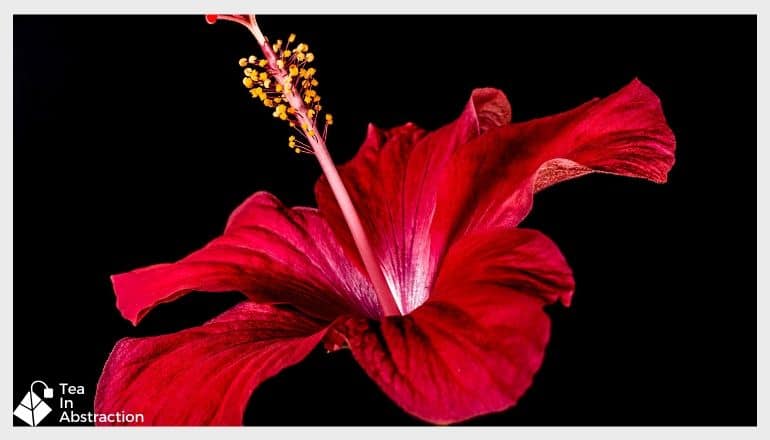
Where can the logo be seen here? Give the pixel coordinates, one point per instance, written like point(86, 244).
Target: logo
point(73, 406)
point(32, 409)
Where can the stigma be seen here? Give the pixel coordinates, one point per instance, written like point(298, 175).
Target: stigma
point(285, 82)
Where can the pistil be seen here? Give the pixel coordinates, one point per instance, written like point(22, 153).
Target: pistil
point(282, 65)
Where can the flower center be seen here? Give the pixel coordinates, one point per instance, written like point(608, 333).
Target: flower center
point(285, 82)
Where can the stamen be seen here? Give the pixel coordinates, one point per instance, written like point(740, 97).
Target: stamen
point(288, 75)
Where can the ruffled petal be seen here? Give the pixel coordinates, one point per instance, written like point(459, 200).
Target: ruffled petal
point(522, 260)
point(271, 253)
point(475, 345)
point(393, 184)
point(491, 180)
point(204, 375)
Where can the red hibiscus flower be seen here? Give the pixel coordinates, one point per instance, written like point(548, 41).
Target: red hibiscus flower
point(460, 329)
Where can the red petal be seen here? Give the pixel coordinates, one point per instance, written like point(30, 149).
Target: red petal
point(492, 179)
point(393, 184)
point(268, 252)
point(523, 260)
point(475, 346)
point(204, 375)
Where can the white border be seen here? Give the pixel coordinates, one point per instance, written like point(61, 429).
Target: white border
point(391, 6)
point(388, 6)
point(763, 185)
point(389, 433)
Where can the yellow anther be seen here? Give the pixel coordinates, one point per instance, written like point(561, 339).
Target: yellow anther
point(295, 82)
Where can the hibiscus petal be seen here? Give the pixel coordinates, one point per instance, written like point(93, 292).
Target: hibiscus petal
point(270, 253)
point(393, 184)
point(475, 345)
point(491, 180)
point(204, 375)
point(523, 260)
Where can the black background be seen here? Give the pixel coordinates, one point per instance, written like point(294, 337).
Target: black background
point(134, 139)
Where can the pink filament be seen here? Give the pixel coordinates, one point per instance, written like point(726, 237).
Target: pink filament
point(385, 295)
